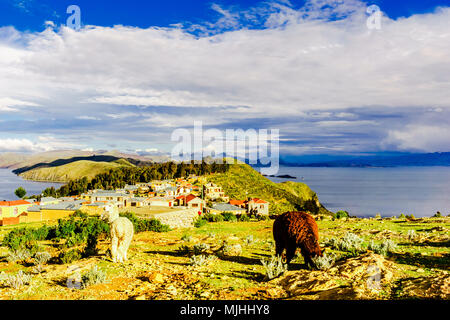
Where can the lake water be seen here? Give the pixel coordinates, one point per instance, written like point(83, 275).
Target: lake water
point(9, 182)
point(363, 192)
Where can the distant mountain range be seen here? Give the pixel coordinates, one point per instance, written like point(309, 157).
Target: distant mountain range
point(61, 157)
point(414, 159)
point(66, 165)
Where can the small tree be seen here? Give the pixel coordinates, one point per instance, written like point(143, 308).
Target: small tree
point(20, 192)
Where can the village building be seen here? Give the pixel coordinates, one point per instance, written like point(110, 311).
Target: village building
point(168, 192)
point(50, 212)
point(186, 189)
point(67, 198)
point(162, 201)
point(130, 189)
point(49, 200)
point(137, 202)
point(253, 206)
point(257, 206)
point(115, 198)
point(220, 208)
point(11, 210)
point(190, 201)
point(214, 192)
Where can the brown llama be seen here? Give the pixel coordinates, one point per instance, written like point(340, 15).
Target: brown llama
point(293, 230)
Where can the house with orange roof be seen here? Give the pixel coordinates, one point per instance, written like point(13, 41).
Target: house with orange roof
point(11, 210)
point(257, 206)
point(190, 201)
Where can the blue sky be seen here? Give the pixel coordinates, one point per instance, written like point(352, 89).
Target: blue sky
point(138, 70)
point(31, 14)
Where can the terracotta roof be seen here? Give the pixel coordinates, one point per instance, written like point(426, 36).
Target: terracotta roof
point(13, 203)
point(237, 202)
point(257, 200)
point(190, 198)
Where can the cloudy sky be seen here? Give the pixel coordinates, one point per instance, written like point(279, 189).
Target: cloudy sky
point(313, 69)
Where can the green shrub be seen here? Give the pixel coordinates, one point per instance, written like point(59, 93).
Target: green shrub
point(155, 226)
point(201, 248)
point(349, 243)
point(42, 233)
point(70, 256)
point(79, 214)
point(18, 280)
point(200, 222)
point(213, 217)
point(438, 215)
point(76, 232)
point(74, 240)
point(410, 216)
point(341, 214)
point(24, 238)
point(263, 217)
point(66, 228)
point(41, 258)
point(186, 238)
point(325, 262)
point(377, 248)
point(249, 240)
point(18, 255)
point(412, 235)
point(93, 276)
point(244, 218)
point(274, 267)
point(142, 225)
point(390, 245)
point(201, 260)
point(402, 216)
point(184, 250)
point(229, 216)
point(385, 247)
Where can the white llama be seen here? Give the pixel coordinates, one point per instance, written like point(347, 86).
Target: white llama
point(122, 231)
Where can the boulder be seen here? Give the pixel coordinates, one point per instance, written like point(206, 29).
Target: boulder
point(362, 277)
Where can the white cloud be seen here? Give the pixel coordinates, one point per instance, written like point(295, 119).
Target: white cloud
point(420, 138)
point(43, 143)
point(88, 118)
point(304, 65)
point(304, 60)
point(49, 24)
point(345, 123)
point(9, 104)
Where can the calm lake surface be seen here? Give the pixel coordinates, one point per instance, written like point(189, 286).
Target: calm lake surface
point(9, 182)
point(363, 192)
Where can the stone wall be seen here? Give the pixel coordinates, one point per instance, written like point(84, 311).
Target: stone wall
point(183, 218)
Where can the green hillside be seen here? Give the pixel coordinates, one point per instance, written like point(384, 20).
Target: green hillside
point(298, 189)
point(73, 171)
point(242, 181)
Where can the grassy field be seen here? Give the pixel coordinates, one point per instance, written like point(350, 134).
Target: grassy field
point(159, 269)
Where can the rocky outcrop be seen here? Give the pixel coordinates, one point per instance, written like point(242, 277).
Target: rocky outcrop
point(362, 277)
point(427, 287)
